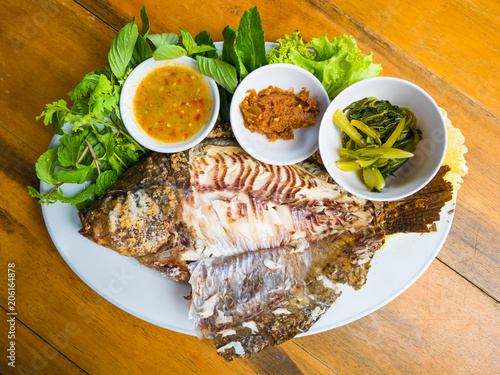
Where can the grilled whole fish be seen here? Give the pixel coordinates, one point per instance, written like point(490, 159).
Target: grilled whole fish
point(274, 238)
point(233, 204)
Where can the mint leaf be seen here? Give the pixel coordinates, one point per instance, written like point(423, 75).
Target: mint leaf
point(162, 39)
point(67, 152)
point(168, 52)
point(74, 176)
point(116, 165)
point(108, 140)
point(105, 181)
point(45, 166)
point(122, 48)
point(222, 72)
point(250, 41)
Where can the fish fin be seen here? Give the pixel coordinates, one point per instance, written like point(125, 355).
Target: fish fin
point(418, 212)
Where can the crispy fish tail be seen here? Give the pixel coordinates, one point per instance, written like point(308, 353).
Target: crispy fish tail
point(418, 212)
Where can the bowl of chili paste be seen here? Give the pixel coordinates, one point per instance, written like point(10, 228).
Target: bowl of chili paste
point(276, 111)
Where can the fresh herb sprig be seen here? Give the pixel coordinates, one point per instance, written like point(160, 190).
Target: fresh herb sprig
point(95, 147)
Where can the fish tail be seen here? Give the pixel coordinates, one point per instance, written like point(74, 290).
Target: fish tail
point(418, 212)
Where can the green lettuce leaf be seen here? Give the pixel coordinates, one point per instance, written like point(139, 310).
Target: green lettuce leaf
point(337, 64)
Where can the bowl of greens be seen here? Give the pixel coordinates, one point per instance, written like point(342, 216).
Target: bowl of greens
point(383, 138)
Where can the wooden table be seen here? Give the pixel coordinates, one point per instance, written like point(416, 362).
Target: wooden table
point(446, 323)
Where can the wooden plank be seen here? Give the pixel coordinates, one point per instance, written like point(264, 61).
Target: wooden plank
point(30, 355)
point(475, 257)
point(443, 36)
point(53, 296)
point(47, 48)
point(441, 325)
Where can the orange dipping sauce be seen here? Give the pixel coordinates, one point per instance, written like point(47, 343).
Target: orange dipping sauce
point(172, 103)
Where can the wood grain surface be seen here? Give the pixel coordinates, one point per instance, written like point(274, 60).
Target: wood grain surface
point(448, 322)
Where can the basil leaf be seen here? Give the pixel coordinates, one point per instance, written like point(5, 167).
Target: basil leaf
point(142, 52)
point(229, 51)
point(122, 48)
point(201, 49)
point(222, 72)
point(204, 38)
point(187, 41)
point(250, 41)
point(168, 51)
point(145, 22)
point(108, 140)
point(161, 39)
point(45, 166)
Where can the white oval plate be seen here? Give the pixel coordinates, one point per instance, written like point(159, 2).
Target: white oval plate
point(146, 294)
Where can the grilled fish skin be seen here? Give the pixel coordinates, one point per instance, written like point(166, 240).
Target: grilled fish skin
point(216, 201)
point(262, 298)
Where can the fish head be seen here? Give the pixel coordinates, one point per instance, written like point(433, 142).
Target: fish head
point(138, 215)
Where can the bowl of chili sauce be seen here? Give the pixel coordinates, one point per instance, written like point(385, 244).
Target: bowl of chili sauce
point(169, 106)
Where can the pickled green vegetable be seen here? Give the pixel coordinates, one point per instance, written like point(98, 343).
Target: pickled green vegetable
point(377, 138)
point(347, 128)
point(373, 178)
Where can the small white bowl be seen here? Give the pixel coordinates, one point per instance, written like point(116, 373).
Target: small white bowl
point(419, 169)
point(286, 77)
point(127, 106)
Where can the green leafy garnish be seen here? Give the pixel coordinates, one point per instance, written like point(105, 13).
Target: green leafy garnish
point(168, 52)
point(250, 40)
point(95, 147)
point(222, 72)
point(162, 39)
point(122, 49)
